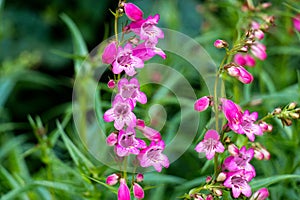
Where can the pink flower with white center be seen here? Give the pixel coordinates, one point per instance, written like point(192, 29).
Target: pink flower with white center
point(121, 113)
point(261, 194)
point(110, 53)
point(128, 144)
point(123, 191)
point(202, 103)
point(126, 61)
point(238, 182)
point(259, 51)
point(112, 179)
point(131, 90)
point(148, 132)
point(147, 30)
point(239, 159)
point(138, 191)
point(210, 145)
point(251, 129)
point(146, 51)
point(133, 12)
point(233, 114)
point(112, 139)
point(296, 22)
point(152, 156)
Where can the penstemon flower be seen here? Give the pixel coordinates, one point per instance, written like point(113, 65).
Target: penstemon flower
point(296, 22)
point(123, 191)
point(261, 194)
point(131, 90)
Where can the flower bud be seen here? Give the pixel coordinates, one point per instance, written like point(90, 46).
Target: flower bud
point(112, 179)
point(138, 191)
point(209, 197)
point(296, 22)
point(277, 111)
point(218, 192)
point(112, 139)
point(202, 104)
point(292, 106)
point(139, 177)
point(261, 194)
point(123, 191)
point(286, 122)
point(221, 177)
point(133, 12)
point(208, 179)
point(220, 44)
point(294, 115)
point(239, 59)
point(111, 84)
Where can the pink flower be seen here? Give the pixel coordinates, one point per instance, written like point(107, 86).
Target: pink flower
point(128, 144)
point(139, 177)
point(240, 73)
point(131, 90)
point(239, 59)
point(112, 139)
point(123, 191)
point(126, 61)
point(146, 51)
point(110, 53)
point(261, 194)
point(138, 191)
point(265, 127)
point(296, 22)
point(259, 51)
point(238, 182)
point(112, 179)
point(210, 145)
point(220, 44)
point(250, 61)
point(239, 159)
point(147, 30)
point(248, 126)
point(152, 156)
point(202, 104)
point(148, 132)
point(133, 12)
point(121, 113)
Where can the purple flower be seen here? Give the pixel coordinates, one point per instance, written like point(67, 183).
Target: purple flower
point(238, 182)
point(152, 156)
point(121, 113)
point(146, 51)
point(147, 29)
point(126, 61)
point(239, 59)
point(133, 12)
point(210, 145)
point(138, 191)
point(261, 194)
point(259, 51)
point(202, 104)
point(131, 90)
point(248, 126)
point(112, 139)
point(240, 73)
point(128, 144)
point(123, 191)
point(239, 159)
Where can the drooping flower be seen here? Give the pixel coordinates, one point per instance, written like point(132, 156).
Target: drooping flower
point(131, 90)
point(259, 51)
point(239, 159)
point(138, 191)
point(121, 113)
point(112, 179)
point(238, 182)
point(261, 194)
point(296, 22)
point(149, 133)
point(123, 191)
point(202, 104)
point(210, 145)
point(133, 12)
point(128, 144)
point(153, 156)
point(126, 61)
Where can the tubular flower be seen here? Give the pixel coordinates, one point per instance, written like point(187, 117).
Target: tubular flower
point(152, 156)
point(202, 104)
point(211, 144)
point(261, 194)
point(133, 12)
point(239, 159)
point(238, 182)
point(112, 179)
point(296, 22)
point(128, 144)
point(149, 133)
point(121, 113)
point(131, 90)
point(138, 191)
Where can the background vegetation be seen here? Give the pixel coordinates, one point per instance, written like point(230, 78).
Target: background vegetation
point(40, 155)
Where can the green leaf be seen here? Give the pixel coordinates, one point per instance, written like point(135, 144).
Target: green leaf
point(162, 178)
point(6, 86)
point(79, 45)
point(264, 182)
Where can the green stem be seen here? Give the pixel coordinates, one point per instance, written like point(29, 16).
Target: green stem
point(116, 26)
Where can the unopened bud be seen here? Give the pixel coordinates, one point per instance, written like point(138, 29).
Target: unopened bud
point(286, 122)
point(221, 177)
point(277, 111)
point(111, 84)
point(292, 106)
point(220, 44)
point(218, 192)
point(208, 179)
point(209, 197)
point(266, 5)
point(244, 49)
point(139, 177)
point(294, 115)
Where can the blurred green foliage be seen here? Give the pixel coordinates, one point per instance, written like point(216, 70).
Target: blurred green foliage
point(41, 157)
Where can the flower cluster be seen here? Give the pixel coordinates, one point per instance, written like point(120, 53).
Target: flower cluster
point(127, 58)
